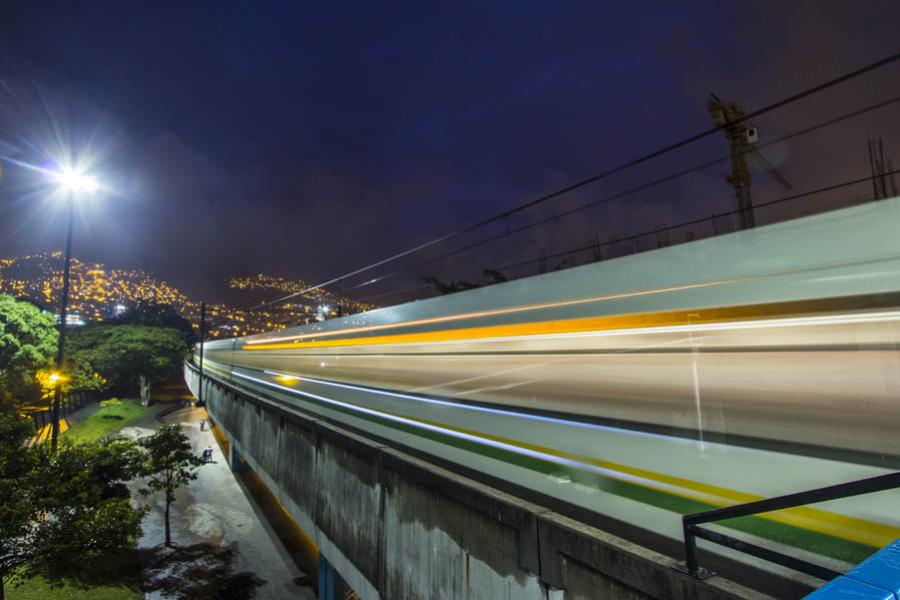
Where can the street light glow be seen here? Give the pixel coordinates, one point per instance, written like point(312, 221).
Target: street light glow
point(55, 379)
point(73, 180)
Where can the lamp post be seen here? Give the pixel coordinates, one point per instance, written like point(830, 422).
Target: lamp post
point(200, 401)
point(71, 182)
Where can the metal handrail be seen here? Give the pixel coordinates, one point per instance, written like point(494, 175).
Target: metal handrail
point(692, 529)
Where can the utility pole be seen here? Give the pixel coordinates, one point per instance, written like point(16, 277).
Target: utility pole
point(61, 346)
point(883, 183)
point(202, 331)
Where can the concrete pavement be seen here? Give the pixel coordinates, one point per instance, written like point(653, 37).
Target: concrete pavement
point(226, 548)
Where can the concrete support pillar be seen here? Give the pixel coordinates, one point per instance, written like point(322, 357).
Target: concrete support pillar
point(326, 579)
point(234, 459)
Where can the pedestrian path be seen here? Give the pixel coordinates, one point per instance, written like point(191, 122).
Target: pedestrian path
point(216, 511)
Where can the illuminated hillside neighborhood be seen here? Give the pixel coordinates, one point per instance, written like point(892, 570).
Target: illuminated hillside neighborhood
point(98, 293)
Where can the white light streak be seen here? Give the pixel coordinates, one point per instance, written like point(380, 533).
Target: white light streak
point(567, 462)
point(472, 407)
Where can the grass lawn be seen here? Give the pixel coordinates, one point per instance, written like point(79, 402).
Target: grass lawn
point(113, 415)
point(39, 588)
point(112, 578)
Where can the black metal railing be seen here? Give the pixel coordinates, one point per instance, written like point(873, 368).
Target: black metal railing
point(69, 403)
point(692, 529)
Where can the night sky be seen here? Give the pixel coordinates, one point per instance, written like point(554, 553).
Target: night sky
point(306, 139)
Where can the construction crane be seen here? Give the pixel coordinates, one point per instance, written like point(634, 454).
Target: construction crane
point(742, 140)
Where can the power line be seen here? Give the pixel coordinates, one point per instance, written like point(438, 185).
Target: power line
point(697, 221)
point(665, 179)
point(636, 189)
point(594, 178)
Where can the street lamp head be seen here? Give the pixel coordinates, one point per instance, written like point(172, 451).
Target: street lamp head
point(75, 181)
point(56, 378)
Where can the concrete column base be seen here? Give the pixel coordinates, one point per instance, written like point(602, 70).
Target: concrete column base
point(234, 459)
point(326, 579)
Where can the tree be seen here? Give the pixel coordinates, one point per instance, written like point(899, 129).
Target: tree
point(82, 490)
point(61, 510)
point(129, 356)
point(493, 276)
point(17, 510)
point(170, 462)
point(28, 340)
point(451, 287)
point(157, 315)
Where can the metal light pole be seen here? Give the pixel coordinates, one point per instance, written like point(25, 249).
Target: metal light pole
point(61, 347)
point(202, 328)
point(72, 182)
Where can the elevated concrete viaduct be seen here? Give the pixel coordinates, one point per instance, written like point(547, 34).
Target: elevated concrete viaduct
point(393, 525)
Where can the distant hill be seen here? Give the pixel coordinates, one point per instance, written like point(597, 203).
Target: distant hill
point(94, 291)
point(98, 293)
point(268, 287)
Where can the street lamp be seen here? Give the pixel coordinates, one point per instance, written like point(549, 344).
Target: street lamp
point(72, 184)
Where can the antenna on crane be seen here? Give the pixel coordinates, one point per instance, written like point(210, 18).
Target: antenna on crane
point(742, 140)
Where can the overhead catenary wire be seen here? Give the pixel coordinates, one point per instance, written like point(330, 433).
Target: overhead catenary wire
point(594, 178)
point(697, 221)
point(636, 189)
point(661, 180)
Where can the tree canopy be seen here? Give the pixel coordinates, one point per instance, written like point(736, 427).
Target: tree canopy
point(18, 510)
point(61, 510)
point(129, 357)
point(157, 315)
point(491, 275)
point(28, 340)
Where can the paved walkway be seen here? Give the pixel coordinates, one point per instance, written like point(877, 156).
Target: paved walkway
point(225, 548)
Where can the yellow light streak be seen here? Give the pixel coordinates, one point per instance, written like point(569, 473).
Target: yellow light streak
point(700, 320)
point(489, 313)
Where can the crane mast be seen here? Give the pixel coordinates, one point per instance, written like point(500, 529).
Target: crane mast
point(730, 117)
point(742, 139)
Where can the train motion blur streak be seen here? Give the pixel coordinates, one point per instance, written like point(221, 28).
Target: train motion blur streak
point(817, 380)
point(644, 387)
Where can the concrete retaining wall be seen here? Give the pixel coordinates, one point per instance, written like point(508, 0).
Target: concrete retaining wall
point(397, 527)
